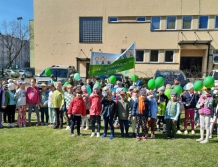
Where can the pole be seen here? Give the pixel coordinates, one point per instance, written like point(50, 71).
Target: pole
point(20, 57)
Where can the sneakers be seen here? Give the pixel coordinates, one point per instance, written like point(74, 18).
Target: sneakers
point(204, 141)
point(158, 130)
point(87, 128)
point(185, 132)
point(122, 135)
point(144, 138)
point(199, 140)
point(152, 136)
point(137, 138)
point(179, 132)
point(111, 137)
point(38, 124)
point(127, 135)
point(93, 134)
point(29, 124)
point(164, 131)
point(12, 125)
point(193, 132)
point(81, 128)
point(24, 125)
point(46, 124)
point(20, 126)
point(168, 137)
point(172, 138)
point(210, 137)
point(103, 136)
point(42, 124)
point(9, 125)
point(67, 128)
point(98, 134)
point(73, 135)
point(133, 135)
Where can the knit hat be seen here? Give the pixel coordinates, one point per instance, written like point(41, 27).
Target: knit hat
point(131, 88)
point(83, 88)
point(173, 93)
point(162, 88)
point(5, 87)
point(96, 86)
point(143, 91)
point(10, 81)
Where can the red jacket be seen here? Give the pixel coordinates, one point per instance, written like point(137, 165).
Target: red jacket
point(32, 95)
point(77, 106)
point(95, 102)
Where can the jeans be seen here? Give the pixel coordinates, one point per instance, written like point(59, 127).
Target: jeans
point(171, 127)
point(58, 118)
point(21, 115)
point(189, 113)
point(67, 118)
point(108, 120)
point(44, 111)
point(33, 106)
point(160, 119)
point(205, 124)
point(51, 114)
point(96, 118)
point(11, 113)
point(124, 123)
point(75, 119)
point(1, 119)
point(196, 117)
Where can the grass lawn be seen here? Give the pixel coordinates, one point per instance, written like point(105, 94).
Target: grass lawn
point(44, 146)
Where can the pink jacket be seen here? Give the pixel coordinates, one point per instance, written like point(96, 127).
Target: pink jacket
point(86, 100)
point(95, 102)
point(32, 95)
point(207, 107)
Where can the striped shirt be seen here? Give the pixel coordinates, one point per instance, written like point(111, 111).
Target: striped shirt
point(68, 97)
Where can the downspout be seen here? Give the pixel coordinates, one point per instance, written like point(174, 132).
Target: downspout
point(208, 55)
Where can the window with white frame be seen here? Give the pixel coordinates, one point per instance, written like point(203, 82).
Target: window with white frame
point(139, 55)
point(140, 19)
point(90, 29)
point(171, 22)
point(112, 19)
point(216, 22)
point(203, 22)
point(155, 23)
point(169, 56)
point(187, 22)
point(154, 55)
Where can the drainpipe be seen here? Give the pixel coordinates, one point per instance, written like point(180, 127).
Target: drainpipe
point(208, 55)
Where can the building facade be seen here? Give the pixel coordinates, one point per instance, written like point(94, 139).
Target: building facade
point(172, 34)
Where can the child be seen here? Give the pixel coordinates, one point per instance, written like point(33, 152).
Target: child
point(123, 112)
point(135, 95)
point(85, 96)
point(154, 110)
point(95, 109)
point(171, 115)
point(108, 112)
point(51, 110)
point(58, 102)
point(189, 100)
point(205, 106)
point(1, 104)
point(179, 99)
point(141, 112)
point(44, 93)
point(76, 109)
point(162, 101)
point(213, 119)
point(20, 96)
point(68, 96)
point(33, 100)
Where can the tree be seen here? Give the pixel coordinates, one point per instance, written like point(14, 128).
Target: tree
point(13, 38)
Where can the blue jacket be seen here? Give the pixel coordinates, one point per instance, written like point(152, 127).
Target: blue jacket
point(188, 99)
point(46, 97)
point(12, 99)
point(154, 108)
point(146, 112)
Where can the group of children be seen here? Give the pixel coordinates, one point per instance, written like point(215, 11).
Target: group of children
point(136, 107)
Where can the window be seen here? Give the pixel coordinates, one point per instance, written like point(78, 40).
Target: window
point(186, 22)
point(171, 22)
point(155, 23)
point(216, 22)
point(139, 55)
point(140, 19)
point(154, 55)
point(90, 29)
point(112, 19)
point(203, 22)
point(169, 55)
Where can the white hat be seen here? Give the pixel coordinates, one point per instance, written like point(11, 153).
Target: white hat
point(188, 86)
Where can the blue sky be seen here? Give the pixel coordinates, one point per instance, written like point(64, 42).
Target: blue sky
point(11, 9)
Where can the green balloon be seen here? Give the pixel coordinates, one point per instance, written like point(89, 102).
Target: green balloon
point(167, 92)
point(76, 76)
point(66, 83)
point(159, 81)
point(112, 79)
point(134, 77)
point(177, 89)
point(88, 89)
point(151, 84)
point(198, 85)
point(209, 82)
point(47, 72)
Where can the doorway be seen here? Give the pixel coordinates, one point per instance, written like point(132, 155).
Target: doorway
point(87, 69)
point(191, 66)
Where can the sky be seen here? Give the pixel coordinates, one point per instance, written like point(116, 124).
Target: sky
point(12, 9)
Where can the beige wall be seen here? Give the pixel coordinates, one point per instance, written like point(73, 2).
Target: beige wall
point(56, 29)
